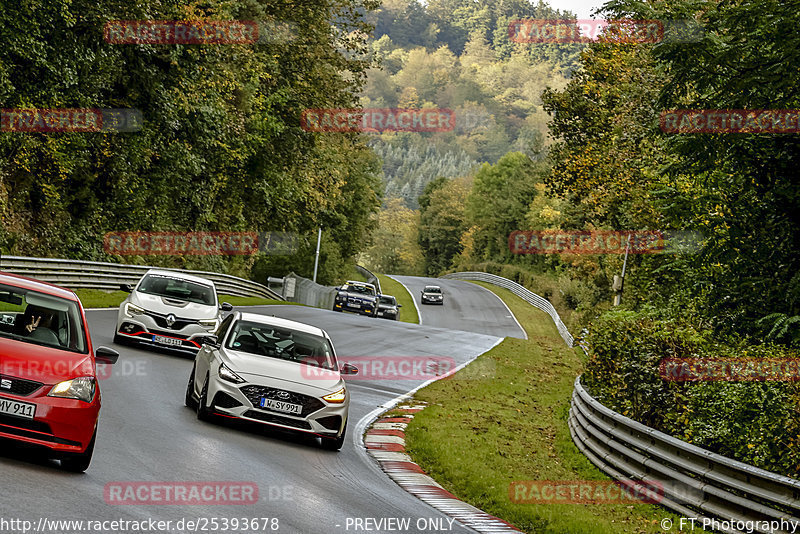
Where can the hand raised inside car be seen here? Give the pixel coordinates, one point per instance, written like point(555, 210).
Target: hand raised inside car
point(34, 323)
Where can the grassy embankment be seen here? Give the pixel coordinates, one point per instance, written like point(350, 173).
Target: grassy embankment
point(389, 286)
point(503, 418)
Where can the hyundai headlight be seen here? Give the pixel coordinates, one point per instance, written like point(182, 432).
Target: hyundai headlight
point(226, 374)
point(338, 397)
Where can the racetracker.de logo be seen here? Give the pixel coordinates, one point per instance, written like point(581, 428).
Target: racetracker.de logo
point(559, 31)
point(200, 243)
point(378, 120)
point(386, 368)
point(181, 243)
point(180, 32)
point(690, 121)
point(585, 491)
point(729, 369)
point(585, 242)
point(180, 493)
point(70, 120)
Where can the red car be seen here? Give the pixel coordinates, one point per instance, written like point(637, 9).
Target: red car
point(49, 395)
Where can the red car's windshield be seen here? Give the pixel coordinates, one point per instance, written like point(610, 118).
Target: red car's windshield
point(34, 317)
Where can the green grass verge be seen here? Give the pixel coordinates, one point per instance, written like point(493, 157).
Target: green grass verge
point(503, 418)
point(99, 298)
point(389, 286)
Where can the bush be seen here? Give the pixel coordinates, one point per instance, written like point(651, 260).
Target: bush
point(754, 422)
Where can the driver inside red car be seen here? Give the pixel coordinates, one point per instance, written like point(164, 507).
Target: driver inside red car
point(37, 323)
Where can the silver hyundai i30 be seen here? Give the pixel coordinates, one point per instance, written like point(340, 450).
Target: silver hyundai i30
point(272, 371)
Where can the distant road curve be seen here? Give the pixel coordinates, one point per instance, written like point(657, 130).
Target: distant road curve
point(467, 307)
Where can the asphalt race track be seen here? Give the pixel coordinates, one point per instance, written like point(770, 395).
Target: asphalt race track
point(147, 435)
point(466, 307)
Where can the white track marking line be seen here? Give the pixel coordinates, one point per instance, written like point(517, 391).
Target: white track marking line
point(365, 421)
point(410, 294)
point(524, 333)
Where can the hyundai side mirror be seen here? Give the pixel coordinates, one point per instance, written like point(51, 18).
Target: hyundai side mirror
point(127, 288)
point(106, 355)
point(225, 306)
point(349, 369)
point(210, 340)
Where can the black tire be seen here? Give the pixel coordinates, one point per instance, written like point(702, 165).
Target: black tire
point(78, 463)
point(203, 413)
point(189, 400)
point(334, 444)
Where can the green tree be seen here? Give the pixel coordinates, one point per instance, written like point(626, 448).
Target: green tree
point(498, 201)
point(442, 222)
point(394, 246)
point(221, 147)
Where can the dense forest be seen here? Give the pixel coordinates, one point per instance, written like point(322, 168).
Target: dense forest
point(457, 55)
point(220, 147)
point(608, 165)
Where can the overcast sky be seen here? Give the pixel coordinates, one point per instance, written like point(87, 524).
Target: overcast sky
point(582, 8)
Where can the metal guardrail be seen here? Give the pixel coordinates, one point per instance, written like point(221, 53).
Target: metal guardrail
point(305, 291)
point(371, 278)
point(77, 274)
point(523, 293)
point(696, 483)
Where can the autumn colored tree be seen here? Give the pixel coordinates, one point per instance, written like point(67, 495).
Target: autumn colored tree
point(394, 246)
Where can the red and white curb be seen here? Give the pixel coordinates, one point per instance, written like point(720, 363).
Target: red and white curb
point(385, 442)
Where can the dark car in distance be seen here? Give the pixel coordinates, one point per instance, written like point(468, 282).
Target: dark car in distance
point(432, 295)
point(388, 308)
point(358, 297)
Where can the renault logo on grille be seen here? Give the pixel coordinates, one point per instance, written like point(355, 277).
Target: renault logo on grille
point(5, 384)
point(171, 320)
point(283, 395)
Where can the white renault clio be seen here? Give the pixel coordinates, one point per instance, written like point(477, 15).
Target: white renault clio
point(169, 309)
point(272, 371)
